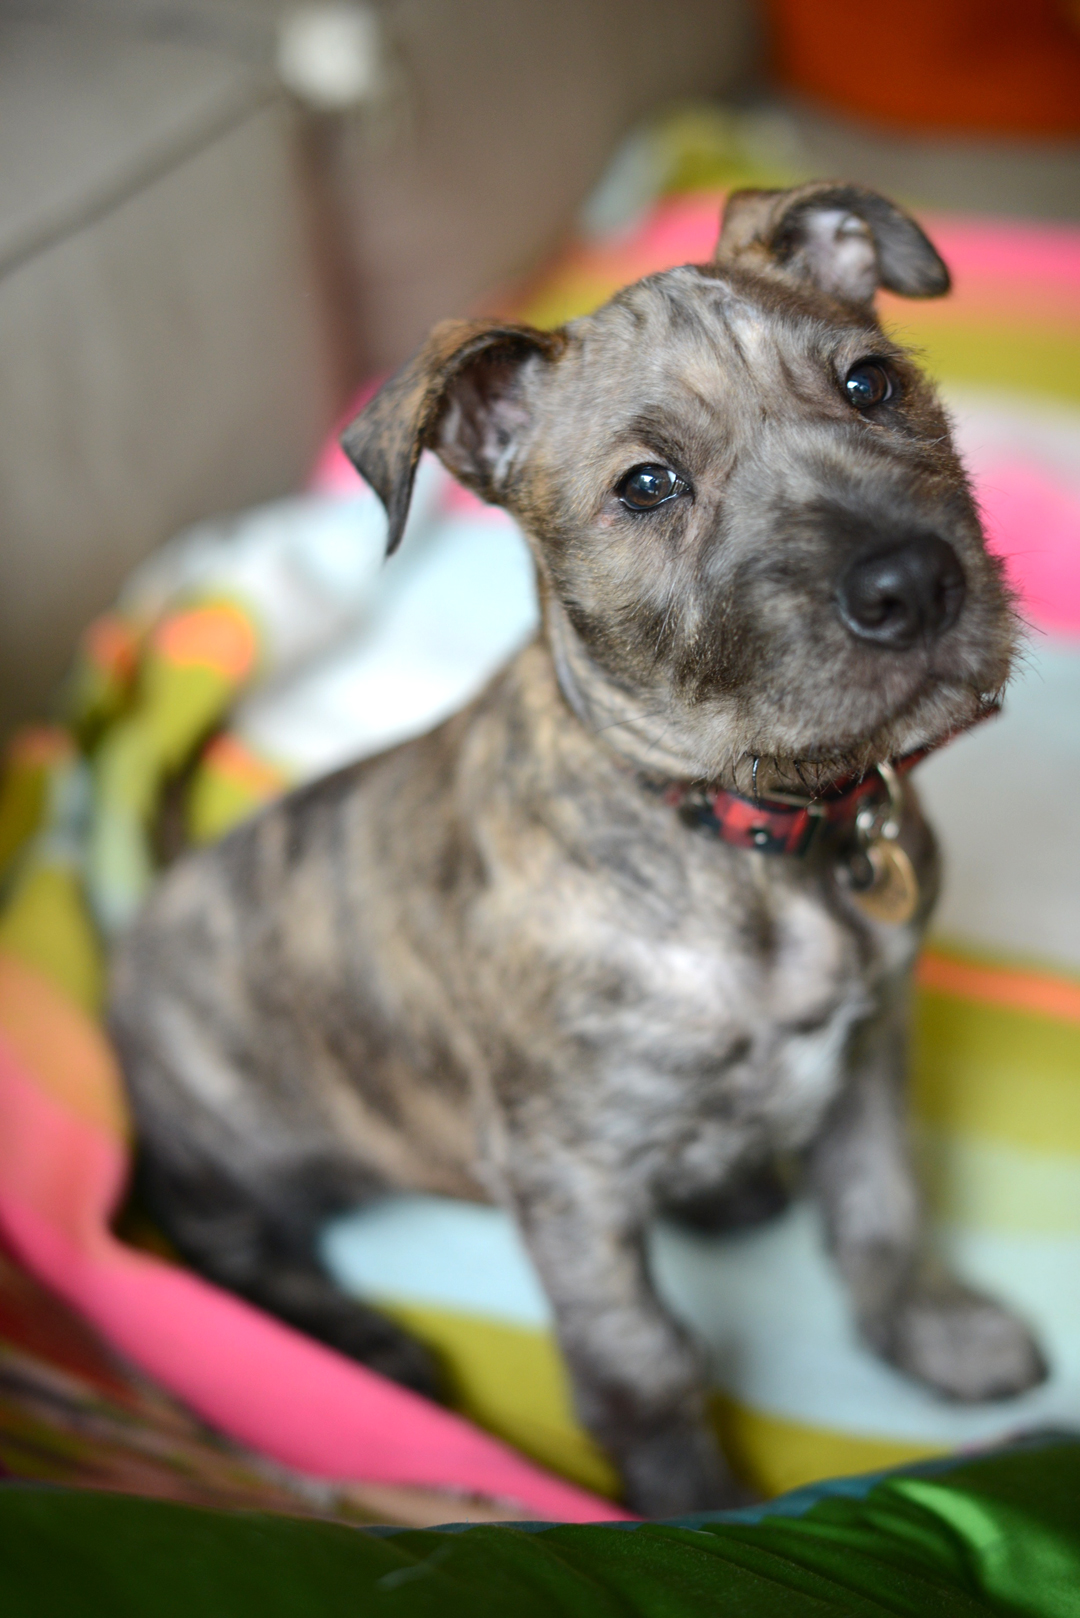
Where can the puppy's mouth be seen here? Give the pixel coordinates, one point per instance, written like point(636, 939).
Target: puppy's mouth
point(930, 720)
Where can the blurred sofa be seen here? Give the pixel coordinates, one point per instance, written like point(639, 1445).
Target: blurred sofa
point(195, 268)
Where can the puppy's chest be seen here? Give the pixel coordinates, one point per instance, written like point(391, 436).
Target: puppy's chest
point(730, 1028)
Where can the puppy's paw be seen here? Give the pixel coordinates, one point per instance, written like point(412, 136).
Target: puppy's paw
point(961, 1343)
point(677, 1471)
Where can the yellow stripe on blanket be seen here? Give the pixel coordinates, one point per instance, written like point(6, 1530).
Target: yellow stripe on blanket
point(1024, 354)
point(511, 1380)
point(985, 1185)
point(46, 926)
point(30, 757)
point(774, 1454)
point(997, 1054)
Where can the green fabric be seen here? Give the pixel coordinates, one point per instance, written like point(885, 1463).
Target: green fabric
point(999, 1534)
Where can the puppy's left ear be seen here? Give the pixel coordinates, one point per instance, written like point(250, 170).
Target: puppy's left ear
point(846, 240)
point(460, 395)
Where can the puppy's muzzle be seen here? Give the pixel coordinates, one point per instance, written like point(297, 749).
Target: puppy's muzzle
point(902, 595)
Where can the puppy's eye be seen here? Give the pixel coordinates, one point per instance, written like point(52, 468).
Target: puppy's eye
point(647, 487)
point(868, 384)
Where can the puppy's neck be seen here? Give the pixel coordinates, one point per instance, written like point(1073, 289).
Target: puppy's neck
point(633, 724)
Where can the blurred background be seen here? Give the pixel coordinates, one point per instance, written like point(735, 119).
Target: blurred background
point(221, 221)
point(217, 216)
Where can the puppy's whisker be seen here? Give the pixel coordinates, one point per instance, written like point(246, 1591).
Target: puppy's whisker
point(628, 719)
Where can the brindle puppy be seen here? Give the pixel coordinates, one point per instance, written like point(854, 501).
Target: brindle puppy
point(496, 962)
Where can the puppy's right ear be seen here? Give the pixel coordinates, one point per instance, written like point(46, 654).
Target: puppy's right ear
point(843, 238)
point(461, 396)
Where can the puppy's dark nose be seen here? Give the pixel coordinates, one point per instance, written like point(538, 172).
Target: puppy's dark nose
point(903, 594)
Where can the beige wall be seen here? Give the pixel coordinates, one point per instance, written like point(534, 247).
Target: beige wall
point(168, 362)
point(514, 108)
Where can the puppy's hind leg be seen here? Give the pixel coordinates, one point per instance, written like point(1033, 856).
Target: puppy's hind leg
point(263, 1247)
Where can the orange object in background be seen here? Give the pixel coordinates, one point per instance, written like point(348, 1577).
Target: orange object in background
point(979, 67)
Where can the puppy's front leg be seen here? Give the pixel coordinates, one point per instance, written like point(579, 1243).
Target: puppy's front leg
point(639, 1382)
point(908, 1308)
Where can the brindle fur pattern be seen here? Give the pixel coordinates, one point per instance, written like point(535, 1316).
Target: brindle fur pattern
point(492, 963)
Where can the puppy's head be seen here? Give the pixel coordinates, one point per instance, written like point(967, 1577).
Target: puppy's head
point(753, 534)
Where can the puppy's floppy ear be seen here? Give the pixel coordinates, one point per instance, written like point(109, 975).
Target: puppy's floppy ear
point(846, 240)
point(461, 396)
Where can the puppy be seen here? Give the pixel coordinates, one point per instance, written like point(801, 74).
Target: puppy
point(640, 921)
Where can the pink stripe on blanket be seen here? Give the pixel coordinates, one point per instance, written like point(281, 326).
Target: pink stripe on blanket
point(1033, 519)
point(1035, 269)
point(259, 1381)
point(1031, 271)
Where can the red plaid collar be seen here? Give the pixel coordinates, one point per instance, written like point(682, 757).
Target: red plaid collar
point(783, 823)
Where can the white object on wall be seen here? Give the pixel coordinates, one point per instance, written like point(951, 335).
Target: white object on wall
point(333, 57)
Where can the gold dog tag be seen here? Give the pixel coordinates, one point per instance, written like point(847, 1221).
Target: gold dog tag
point(893, 895)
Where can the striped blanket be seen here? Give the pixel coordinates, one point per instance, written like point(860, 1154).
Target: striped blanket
point(277, 636)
